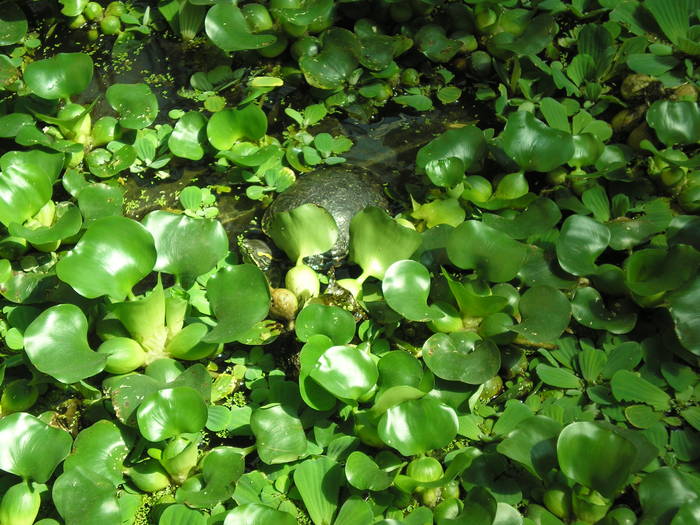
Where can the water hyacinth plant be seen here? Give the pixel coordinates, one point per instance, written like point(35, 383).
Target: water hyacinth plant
point(508, 334)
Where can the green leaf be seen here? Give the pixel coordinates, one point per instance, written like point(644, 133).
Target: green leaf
point(555, 114)
point(445, 173)
point(466, 144)
point(345, 371)
point(591, 362)
point(545, 314)
point(453, 358)
point(318, 481)
point(56, 344)
point(237, 312)
point(332, 67)
point(417, 102)
point(533, 444)
point(311, 392)
point(491, 253)
point(66, 224)
point(171, 412)
point(683, 308)
point(26, 183)
point(84, 497)
point(355, 511)
point(226, 27)
point(101, 448)
point(595, 456)
point(664, 491)
point(13, 24)
point(60, 76)
point(538, 218)
point(533, 145)
point(112, 256)
point(187, 247)
point(416, 426)
point(136, 104)
point(188, 136)
point(406, 287)
point(653, 65)
point(628, 386)
point(279, 436)
point(332, 321)
point(364, 474)
point(72, 7)
point(257, 514)
point(229, 126)
point(675, 122)
point(31, 448)
point(588, 309)
point(303, 231)
point(656, 270)
point(220, 469)
point(181, 515)
point(558, 377)
point(673, 18)
point(377, 241)
point(580, 242)
point(105, 164)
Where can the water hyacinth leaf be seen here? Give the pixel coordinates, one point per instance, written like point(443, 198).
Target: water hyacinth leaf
point(355, 511)
point(105, 164)
point(227, 127)
point(364, 474)
point(239, 297)
point(313, 394)
point(595, 456)
point(538, 218)
point(318, 481)
point(187, 247)
point(451, 358)
point(377, 241)
point(663, 492)
point(84, 497)
point(404, 427)
point(332, 67)
point(588, 309)
point(279, 436)
point(686, 318)
point(466, 144)
point(26, 183)
point(226, 27)
point(13, 24)
point(398, 368)
point(31, 448)
point(533, 444)
point(545, 314)
point(406, 287)
point(345, 371)
point(220, 469)
point(61, 76)
point(112, 256)
point(136, 104)
point(67, 223)
point(144, 318)
point(56, 344)
point(101, 448)
point(127, 392)
point(580, 242)
point(303, 231)
point(656, 270)
point(533, 145)
point(446, 172)
point(675, 122)
point(491, 253)
point(171, 412)
point(177, 514)
point(332, 321)
point(188, 136)
point(628, 386)
point(258, 514)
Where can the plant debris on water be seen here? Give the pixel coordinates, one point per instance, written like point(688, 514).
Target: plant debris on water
point(349, 262)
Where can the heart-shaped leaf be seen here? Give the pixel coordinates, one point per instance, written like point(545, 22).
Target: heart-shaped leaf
point(453, 358)
point(319, 481)
point(580, 242)
point(188, 136)
point(187, 247)
point(26, 183)
point(303, 231)
point(56, 343)
point(491, 253)
point(13, 24)
point(657, 270)
point(684, 311)
point(533, 145)
point(226, 27)
point(588, 309)
point(377, 241)
point(533, 444)
point(675, 122)
point(406, 287)
point(84, 497)
point(364, 474)
point(227, 127)
point(332, 321)
point(539, 217)
point(67, 223)
point(258, 514)
point(101, 448)
point(171, 412)
point(136, 104)
point(313, 394)
point(546, 313)
point(345, 371)
point(181, 515)
point(31, 448)
point(404, 427)
point(220, 469)
point(112, 256)
point(466, 144)
point(60, 76)
point(239, 297)
point(329, 69)
point(279, 436)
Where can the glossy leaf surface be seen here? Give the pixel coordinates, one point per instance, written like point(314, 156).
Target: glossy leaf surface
point(136, 104)
point(171, 412)
point(278, 433)
point(406, 286)
point(60, 76)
